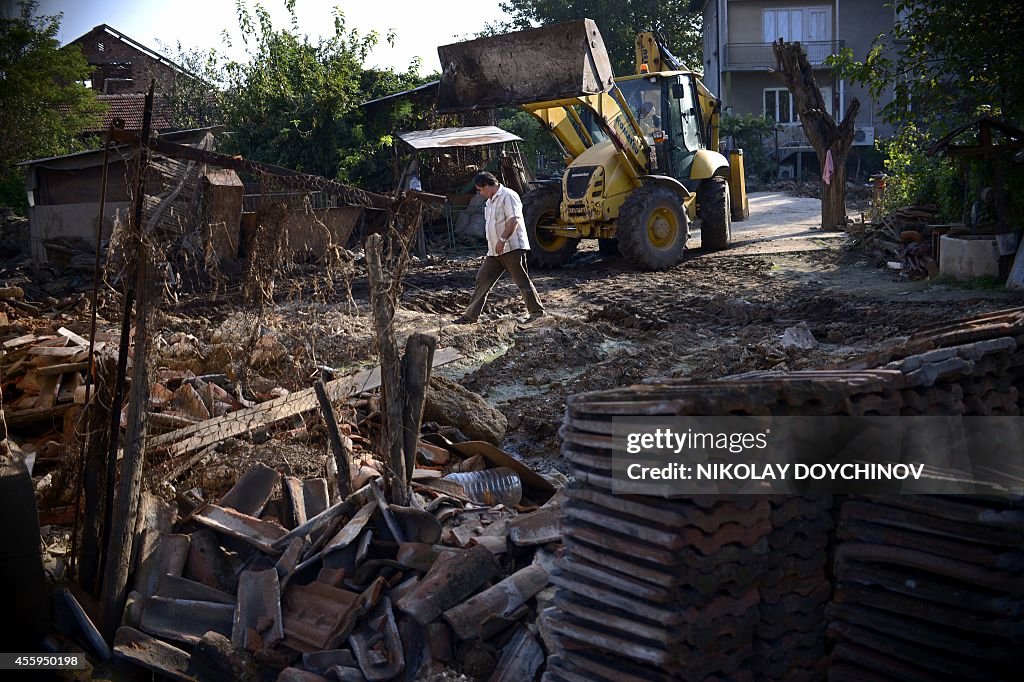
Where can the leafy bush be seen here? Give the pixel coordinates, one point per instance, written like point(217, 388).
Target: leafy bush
point(751, 134)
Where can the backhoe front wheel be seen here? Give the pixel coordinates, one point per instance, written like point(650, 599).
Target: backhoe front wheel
point(540, 210)
point(652, 228)
point(715, 214)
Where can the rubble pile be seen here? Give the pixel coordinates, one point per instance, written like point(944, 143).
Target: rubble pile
point(928, 587)
point(42, 380)
point(902, 240)
point(283, 578)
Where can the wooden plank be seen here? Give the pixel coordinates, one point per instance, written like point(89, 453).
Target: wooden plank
point(56, 352)
point(73, 337)
point(214, 430)
point(62, 368)
point(47, 390)
point(19, 341)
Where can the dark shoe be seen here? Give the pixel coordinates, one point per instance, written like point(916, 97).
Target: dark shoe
point(533, 317)
point(462, 319)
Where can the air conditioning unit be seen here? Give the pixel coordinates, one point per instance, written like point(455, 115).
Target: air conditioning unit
point(787, 172)
point(864, 136)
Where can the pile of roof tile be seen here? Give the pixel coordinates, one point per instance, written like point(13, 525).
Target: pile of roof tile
point(699, 587)
point(278, 576)
point(929, 588)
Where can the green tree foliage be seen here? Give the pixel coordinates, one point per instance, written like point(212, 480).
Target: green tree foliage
point(754, 135)
point(619, 22)
point(946, 61)
point(196, 100)
point(295, 101)
point(947, 64)
point(43, 105)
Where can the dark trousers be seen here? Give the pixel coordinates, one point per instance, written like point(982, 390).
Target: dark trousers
point(514, 262)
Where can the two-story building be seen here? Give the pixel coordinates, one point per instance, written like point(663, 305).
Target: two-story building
point(740, 67)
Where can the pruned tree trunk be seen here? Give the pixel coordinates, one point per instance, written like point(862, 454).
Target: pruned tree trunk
point(820, 128)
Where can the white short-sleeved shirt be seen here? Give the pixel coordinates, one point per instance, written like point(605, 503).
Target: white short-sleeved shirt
point(498, 209)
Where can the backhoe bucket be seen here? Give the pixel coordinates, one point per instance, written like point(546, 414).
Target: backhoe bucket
point(536, 65)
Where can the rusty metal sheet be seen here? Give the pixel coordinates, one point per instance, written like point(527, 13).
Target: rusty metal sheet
point(252, 490)
point(256, 532)
point(468, 136)
point(258, 623)
point(152, 654)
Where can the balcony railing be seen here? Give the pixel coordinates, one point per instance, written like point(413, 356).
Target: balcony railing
point(759, 56)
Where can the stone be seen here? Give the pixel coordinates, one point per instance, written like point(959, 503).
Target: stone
point(450, 403)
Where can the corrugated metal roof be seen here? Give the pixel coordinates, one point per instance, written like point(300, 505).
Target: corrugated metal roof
point(470, 136)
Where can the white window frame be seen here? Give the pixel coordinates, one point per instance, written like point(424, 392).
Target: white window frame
point(805, 21)
point(793, 119)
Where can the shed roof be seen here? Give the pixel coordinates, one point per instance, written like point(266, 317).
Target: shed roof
point(469, 136)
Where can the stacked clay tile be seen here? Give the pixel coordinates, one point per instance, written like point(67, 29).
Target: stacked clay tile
point(929, 588)
point(698, 587)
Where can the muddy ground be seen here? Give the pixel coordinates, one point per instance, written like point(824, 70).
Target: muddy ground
point(715, 315)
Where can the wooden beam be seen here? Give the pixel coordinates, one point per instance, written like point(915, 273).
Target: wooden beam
point(214, 430)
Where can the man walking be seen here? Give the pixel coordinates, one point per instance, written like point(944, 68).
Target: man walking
point(507, 245)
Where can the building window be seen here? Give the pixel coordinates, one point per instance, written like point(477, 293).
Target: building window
point(778, 105)
point(812, 24)
point(101, 47)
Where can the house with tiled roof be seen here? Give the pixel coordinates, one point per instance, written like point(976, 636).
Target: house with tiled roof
point(122, 65)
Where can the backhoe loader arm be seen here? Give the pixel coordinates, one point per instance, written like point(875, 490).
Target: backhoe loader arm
point(611, 114)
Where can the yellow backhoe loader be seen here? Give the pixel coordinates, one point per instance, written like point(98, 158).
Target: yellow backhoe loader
point(641, 150)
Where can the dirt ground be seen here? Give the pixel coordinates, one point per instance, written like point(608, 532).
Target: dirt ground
point(715, 315)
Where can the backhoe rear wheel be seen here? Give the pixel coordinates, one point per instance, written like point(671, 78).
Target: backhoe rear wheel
point(652, 228)
point(540, 209)
point(715, 214)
